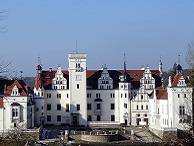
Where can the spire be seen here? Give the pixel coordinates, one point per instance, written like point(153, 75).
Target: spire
point(161, 73)
point(160, 65)
point(179, 67)
point(125, 72)
point(124, 77)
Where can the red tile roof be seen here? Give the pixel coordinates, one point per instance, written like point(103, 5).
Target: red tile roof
point(93, 76)
point(161, 94)
point(176, 80)
point(20, 85)
point(1, 102)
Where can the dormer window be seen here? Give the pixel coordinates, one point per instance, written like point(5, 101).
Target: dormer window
point(59, 82)
point(105, 81)
point(15, 91)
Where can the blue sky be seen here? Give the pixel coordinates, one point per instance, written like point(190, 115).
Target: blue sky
point(144, 30)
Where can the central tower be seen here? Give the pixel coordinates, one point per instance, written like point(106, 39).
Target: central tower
point(77, 88)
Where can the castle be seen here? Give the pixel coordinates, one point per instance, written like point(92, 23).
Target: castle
point(79, 96)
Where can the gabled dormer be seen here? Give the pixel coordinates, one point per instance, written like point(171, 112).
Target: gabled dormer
point(147, 80)
point(59, 82)
point(15, 91)
point(105, 81)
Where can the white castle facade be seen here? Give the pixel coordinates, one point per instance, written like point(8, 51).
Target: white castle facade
point(79, 96)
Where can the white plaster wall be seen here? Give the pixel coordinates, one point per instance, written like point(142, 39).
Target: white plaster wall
point(54, 101)
point(8, 111)
point(78, 96)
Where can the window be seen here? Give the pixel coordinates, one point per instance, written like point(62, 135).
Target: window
point(137, 107)
point(48, 118)
point(78, 107)
point(142, 107)
point(98, 106)
point(67, 95)
point(48, 95)
point(181, 110)
point(89, 106)
point(121, 95)
point(112, 106)
point(178, 95)
point(125, 95)
point(67, 107)
point(58, 95)
point(58, 118)
point(89, 95)
point(141, 97)
point(15, 112)
point(58, 107)
point(185, 95)
point(97, 95)
point(77, 86)
point(112, 117)
point(37, 109)
point(98, 117)
point(89, 118)
point(146, 107)
point(48, 107)
point(125, 105)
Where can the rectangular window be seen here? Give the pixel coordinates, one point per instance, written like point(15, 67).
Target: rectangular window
point(125, 105)
point(58, 95)
point(178, 95)
point(58, 107)
point(48, 118)
point(89, 118)
point(48, 107)
point(125, 95)
point(98, 118)
point(14, 112)
point(146, 107)
point(185, 95)
point(78, 107)
point(98, 106)
point(89, 106)
point(181, 110)
point(67, 95)
point(67, 107)
point(58, 118)
point(77, 86)
point(142, 107)
point(48, 95)
point(141, 97)
point(112, 117)
point(112, 106)
point(137, 107)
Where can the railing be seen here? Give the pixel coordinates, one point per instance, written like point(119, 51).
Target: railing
point(103, 123)
point(99, 132)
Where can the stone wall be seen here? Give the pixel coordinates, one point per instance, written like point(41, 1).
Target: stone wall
point(165, 134)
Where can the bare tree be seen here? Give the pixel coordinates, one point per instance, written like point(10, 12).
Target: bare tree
point(4, 66)
point(19, 136)
point(190, 55)
point(2, 17)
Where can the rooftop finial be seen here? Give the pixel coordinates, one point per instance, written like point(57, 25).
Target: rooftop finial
point(76, 46)
point(179, 58)
point(39, 60)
